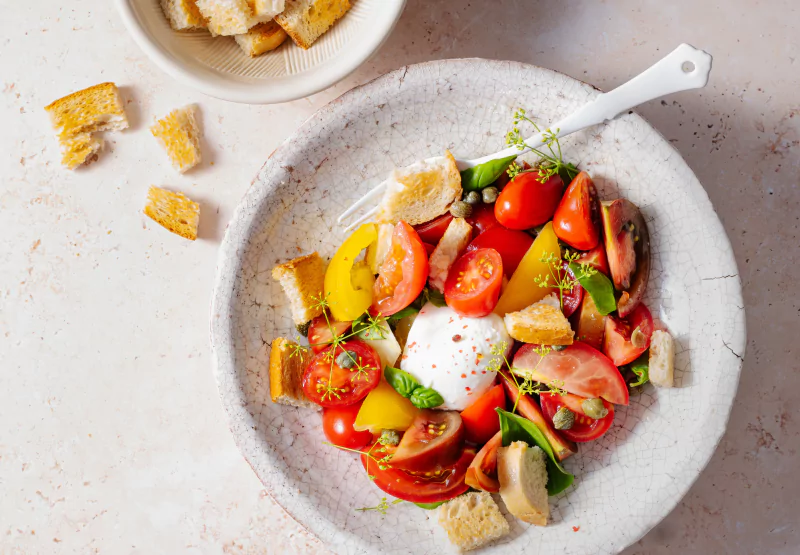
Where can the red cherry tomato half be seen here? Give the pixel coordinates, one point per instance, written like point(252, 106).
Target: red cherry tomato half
point(432, 231)
point(403, 274)
point(473, 284)
point(482, 473)
point(320, 332)
point(627, 338)
point(525, 202)
point(596, 258)
point(577, 219)
point(584, 429)
point(329, 385)
point(435, 439)
point(442, 485)
point(480, 419)
point(512, 246)
point(583, 370)
point(337, 423)
point(482, 219)
point(572, 297)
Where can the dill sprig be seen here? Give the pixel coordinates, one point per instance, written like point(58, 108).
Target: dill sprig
point(526, 385)
point(381, 507)
point(551, 160)
point(560, 278)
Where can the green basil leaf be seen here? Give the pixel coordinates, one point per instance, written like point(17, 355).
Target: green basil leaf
point(516, 428)
point(360, 323)
point(402, 382)
point(397, 316)
point(483, 175)
point(599, 287)
point(426, 398)
point(641, 367)
point(430, 506)
point(435, 297)
point(567, 172)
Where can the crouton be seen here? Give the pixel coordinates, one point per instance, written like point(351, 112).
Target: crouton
point(179, 135)
point(183, 15)
point(227, 17)
point(287, 362)
point(266, 10)
point(307, 20)
point(662, 359)
point(542, 323)
point(522, 473)
point(454, 241)
point(473, 520)
point(80, 150)
point(173, 211)
point(303, 281)
point(261, 38)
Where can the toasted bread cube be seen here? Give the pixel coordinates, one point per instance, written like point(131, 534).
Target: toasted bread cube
point(80, 150)
point(265, 10)
point(183, 15)
point(662, 359)
point(261, 38)
point(173, 211)
point(452, 244)
point(473, 520)
point(97, 108)
point(303, 281)
point(179, 135)
point(227, 17)
point(307, 20)
point(522, 473)
point(542, 323)
point(287, 362)
point(420, 192)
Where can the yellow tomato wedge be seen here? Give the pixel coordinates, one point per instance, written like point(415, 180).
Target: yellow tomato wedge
point(348, 286)
point(385, 409)
point(522, 289)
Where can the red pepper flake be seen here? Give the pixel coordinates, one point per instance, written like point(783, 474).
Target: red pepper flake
point(463, 375)
point(474, 372)
point(433, 366)
point(465, 327)
point(483, 371)
point(461, 350)
point(467, 389)
point(576, 528)
point(451, 320)
point(457, 337)
point(474, 349)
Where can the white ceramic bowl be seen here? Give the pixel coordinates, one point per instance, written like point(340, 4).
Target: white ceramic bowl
point(628, 480)
point(218, 67)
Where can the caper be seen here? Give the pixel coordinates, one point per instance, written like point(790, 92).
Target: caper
point(302, 329)
point(594, 408)
point(473, 197)
point(489, 195)
point(389, 437)
point(460, 209)
point(563, 419)
point(346, 359)
point(558, 347)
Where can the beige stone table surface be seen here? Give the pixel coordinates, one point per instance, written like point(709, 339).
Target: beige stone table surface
point(112, 438)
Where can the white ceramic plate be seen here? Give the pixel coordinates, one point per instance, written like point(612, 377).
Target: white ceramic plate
point(217, 66)
point(627, 481)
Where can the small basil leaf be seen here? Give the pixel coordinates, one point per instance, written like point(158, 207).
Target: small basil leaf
point(397, 316)
point(360, 323)
point(430, 506)
point(435, 297)
point(426, 398)
point(599, 287)
point(516, 428)
point(483, 175)
point(402, 382)
point(641, 367)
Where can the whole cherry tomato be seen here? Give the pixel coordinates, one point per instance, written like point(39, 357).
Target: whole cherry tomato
point(526, 202)
point(337, 423)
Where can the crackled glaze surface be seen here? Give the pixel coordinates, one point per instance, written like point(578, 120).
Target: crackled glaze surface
point(626, 482)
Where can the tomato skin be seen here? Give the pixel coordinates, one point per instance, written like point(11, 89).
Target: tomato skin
point(618, 345)
point(480, 419)
point(337, 423)
point(585, 428)
point(319, 332)
point(473, 284)
point(352, 385)
point(572, 297)
point(431, 232)
point(482, 473)
point(596, 258)
point(423, 449)
point(417, 488)
point(429, 248)
point(584, 370)
point(512, 246)
point(403, 274)
point(576, 221)
point(525, 202)
point(482, 219)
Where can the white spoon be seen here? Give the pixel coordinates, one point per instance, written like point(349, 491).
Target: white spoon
point(682, 69)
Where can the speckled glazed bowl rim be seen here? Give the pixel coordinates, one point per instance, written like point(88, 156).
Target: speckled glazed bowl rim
point(244, 222)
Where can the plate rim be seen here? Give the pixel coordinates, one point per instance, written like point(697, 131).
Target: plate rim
point(736, 342)
point(269, 92)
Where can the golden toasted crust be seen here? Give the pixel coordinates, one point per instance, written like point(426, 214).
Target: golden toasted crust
point(522, 473)
point(80, 150)
point(307, 20)
point(178, 134)
point(227, 17)
point(287, 362)
point(303, 281)
point(183, 15)
point(96, 108)
point(542, 323)
point(473, 520)
point(261, 38)
point(173, 211)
